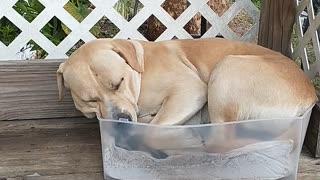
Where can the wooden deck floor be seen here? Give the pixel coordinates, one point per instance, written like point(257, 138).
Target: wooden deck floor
point(70, 149)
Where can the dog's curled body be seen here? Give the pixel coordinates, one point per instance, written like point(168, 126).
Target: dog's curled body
point(246, 81)
point(168, 82)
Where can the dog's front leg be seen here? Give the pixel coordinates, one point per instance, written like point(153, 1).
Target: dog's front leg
point(180, 107)
point(176, 110)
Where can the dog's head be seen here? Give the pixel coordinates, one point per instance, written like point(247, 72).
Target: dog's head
point(104, 78)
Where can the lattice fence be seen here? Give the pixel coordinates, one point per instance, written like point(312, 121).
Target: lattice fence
point(305, 45)
point(80, 31)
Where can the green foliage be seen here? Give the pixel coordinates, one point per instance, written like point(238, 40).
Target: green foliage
point(78, 9)
point(8, 31)
point(28, 9)
point(56, 31)
point(128, 8)
point(104, 29)
point(257, 3)
point(75, 47)
point(53, 30)
point(123, 8)
point(95, 30)
point(40, 53)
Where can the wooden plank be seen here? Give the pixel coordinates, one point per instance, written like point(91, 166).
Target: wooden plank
point(29, 91)
point(70, 149)
point(276, 24)
point(308, 166)
point(51, 148)
point(312, 139)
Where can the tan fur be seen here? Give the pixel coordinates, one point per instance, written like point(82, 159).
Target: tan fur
point(127, 51)
point(60, 82)
point(168, 82)
point(254, 87)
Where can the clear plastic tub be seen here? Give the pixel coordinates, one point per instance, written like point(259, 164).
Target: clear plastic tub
point(252, 149)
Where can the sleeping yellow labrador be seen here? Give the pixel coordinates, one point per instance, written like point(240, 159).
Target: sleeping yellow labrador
point(168, 82)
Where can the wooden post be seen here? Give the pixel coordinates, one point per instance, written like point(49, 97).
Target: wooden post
point(312, 139)
point(276, 24)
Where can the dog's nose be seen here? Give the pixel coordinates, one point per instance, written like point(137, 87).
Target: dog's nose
point(117, 113)
point(124, 116)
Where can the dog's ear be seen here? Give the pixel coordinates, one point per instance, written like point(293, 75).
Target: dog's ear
point(60, 81)
point(131, 52)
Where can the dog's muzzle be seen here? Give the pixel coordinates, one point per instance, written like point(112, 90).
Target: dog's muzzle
point(117, 114)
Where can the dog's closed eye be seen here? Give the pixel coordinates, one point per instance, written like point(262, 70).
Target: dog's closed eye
point(93, 100)
point(117, 86)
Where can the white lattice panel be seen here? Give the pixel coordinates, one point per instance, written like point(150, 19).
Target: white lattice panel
point(31, 31)
point(307, 43)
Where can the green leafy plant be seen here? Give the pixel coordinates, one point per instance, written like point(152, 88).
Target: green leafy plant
point(8, 31)
point(128, 8)
point(123, 7)
point(29, 9)
point(75, 47)
point(53, 30)
point(40, 53)
point(106, 29)
point(257, 3)
point(79, 9)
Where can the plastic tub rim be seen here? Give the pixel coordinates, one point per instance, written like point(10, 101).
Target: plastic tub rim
point(301, 118)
